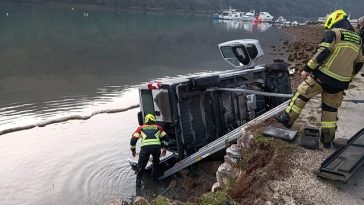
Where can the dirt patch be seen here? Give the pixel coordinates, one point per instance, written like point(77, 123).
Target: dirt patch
point(307, 39)
point(190, 185)
point(263, 161)
point(258, 128)
point(307, 34)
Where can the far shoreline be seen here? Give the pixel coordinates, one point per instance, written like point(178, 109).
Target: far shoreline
point(95, 7)
point(105, 7)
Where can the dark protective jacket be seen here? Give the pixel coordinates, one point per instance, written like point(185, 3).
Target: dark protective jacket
point(338, 59)
point(151, 135)
point(361, 34)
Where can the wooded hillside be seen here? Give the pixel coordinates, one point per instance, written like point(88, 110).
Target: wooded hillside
point(308, 8)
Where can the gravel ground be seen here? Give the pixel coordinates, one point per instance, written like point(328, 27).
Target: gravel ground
point(303, 186)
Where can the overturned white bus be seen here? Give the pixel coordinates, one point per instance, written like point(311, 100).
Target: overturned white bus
point(195, 114)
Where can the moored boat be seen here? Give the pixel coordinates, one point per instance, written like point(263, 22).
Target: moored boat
point(249, 16)
point(280, 20)
point(322, 19)
point(237, 15)
point(265, 17)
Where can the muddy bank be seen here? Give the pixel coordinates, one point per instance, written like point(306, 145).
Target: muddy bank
point(190, 184)
point(305, 44)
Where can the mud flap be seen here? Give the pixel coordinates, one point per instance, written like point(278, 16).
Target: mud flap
point(345, 161)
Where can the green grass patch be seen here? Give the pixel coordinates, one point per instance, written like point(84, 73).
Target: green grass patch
point(160, 200)
point(215, 198)
point(261, 140)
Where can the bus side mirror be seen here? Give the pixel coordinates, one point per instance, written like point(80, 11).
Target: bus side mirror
point(241, 53)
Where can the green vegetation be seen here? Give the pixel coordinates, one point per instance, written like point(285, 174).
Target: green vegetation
point(308, 8)
point(215, 198)
point(160, 200)
point(261, 140)
point(261, 146)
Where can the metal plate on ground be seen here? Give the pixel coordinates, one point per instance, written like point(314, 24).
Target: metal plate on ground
point(281, 133)
point(345, 161)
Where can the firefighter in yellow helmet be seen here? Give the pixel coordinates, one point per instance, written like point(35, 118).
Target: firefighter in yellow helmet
point(338, 59)
point(153, 138)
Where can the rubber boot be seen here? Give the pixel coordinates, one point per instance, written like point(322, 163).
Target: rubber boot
point(284, 119)
point(325, 144)
point(139, 177)
point(138, 183)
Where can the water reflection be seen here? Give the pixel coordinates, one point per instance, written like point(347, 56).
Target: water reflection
point(248, 26)
point(56, 62)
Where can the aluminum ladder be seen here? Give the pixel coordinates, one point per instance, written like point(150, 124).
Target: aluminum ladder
point(221, 142)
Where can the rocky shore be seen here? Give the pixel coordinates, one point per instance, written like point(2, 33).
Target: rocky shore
point(261, 170)
point(296, 181)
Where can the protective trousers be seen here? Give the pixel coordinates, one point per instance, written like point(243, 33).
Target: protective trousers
point(143, 160)
point(330, 104)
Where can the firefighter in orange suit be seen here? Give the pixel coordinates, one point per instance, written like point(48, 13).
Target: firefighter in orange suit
point(153, 138)
point(336, 62)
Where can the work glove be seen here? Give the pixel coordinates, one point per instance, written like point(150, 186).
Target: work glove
point(305, 74)
point(164, 151)
point(133, 152)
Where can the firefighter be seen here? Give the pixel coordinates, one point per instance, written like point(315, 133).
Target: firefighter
point(153, 138)
point(338, 59)
point(360, 27)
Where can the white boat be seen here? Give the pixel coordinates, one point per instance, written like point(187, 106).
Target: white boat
point(227, 14)
point(216, 16)
point(352, 21)
point(249, 16)
point(286, 23)
point(280, 20)
point(265, 17)
point(322, 19)
point(294, 23)
point(237, 15)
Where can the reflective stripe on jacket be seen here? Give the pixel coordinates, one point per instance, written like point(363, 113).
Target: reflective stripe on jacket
point(346, 50)
point(150, 135)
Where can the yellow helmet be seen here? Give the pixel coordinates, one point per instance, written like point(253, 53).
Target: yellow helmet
point(149, 118)
point(334, 18)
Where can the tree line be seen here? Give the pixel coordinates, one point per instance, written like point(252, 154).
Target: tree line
point(308, 8)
